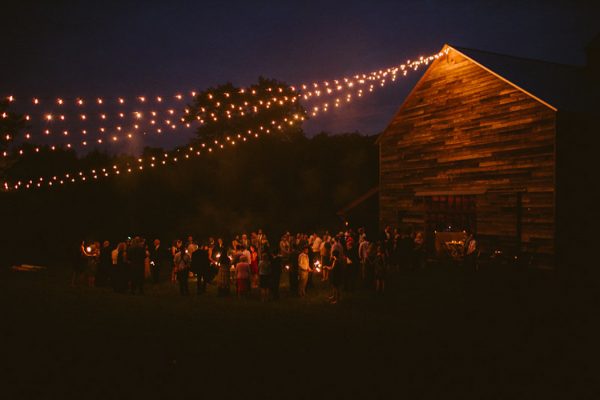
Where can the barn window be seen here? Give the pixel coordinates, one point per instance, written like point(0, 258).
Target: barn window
point(450, 213)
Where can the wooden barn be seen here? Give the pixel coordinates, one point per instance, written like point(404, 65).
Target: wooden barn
point(496, 144)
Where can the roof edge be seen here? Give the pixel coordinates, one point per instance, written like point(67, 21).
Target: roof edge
point(550, 106)
point(444, 47)
point(494, 53)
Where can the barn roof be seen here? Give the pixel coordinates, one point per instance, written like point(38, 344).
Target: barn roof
point(560, 86)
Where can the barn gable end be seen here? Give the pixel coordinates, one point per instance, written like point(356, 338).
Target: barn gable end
point(469, 148)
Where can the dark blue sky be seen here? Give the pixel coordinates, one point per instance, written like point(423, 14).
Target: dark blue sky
point(75, 49)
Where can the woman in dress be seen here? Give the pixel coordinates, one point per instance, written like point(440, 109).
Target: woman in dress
point(175, 248)
point(242, 270)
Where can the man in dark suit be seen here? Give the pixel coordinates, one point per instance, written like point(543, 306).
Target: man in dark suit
point(158, 259)
point(136, 255)
point(201, 267)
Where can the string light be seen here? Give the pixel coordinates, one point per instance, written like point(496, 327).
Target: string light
point(330, 86)
point(234, 108)
point(82, 176)
point(154, 123)
point(122, 117)
point(382, 76)
point(306, 94)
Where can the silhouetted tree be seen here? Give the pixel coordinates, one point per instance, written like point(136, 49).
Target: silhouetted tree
point(268, 106)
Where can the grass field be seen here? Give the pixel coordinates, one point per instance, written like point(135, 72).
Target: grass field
point(436, 333)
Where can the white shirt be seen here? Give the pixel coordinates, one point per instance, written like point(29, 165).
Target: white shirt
point(191, 248)
point(316, 245)
point(363, 248)
point(303, 262)
point(246, 253)
point(114, 255)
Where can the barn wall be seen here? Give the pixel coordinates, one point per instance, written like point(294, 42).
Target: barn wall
point(465, 130)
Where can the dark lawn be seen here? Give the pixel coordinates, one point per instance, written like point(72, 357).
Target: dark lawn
point(436, 333)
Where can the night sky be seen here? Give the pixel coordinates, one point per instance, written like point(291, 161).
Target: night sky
point(134, 48)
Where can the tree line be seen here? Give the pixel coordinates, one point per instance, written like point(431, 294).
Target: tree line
point(278, 182)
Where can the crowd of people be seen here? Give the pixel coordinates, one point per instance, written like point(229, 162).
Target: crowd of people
point(247, 263)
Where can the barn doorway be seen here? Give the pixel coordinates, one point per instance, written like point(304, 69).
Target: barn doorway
point(450, 213)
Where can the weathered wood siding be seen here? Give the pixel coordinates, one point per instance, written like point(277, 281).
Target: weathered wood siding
point(465, 130)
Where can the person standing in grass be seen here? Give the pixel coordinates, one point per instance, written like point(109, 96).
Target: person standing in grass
point(246, 253)
point(182, 265)
point(201, 267)
point(254, 266)
point(104, 265)
point(419, 255)
point(175, 248)
point(471, 253)
point(92, 253)
point(303, 271)
point(242, 272)
point(363, 249)
point(137, 255)
point(264, 272)
point(336, 275)
point(352, 263)
point(121, 269)
point(157, 260)
point(223, 275)
point(380, 270)
point(325, 255)
point(369, 280)
point(285, 248)
point(315, 248)
point(79, 265)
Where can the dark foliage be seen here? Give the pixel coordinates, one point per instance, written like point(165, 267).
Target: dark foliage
point(275, 183)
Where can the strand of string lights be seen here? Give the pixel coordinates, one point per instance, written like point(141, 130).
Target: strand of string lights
point(114, 135)
point(154, 123)
point(152, 162)
point(306, 91)
point(231, 109)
